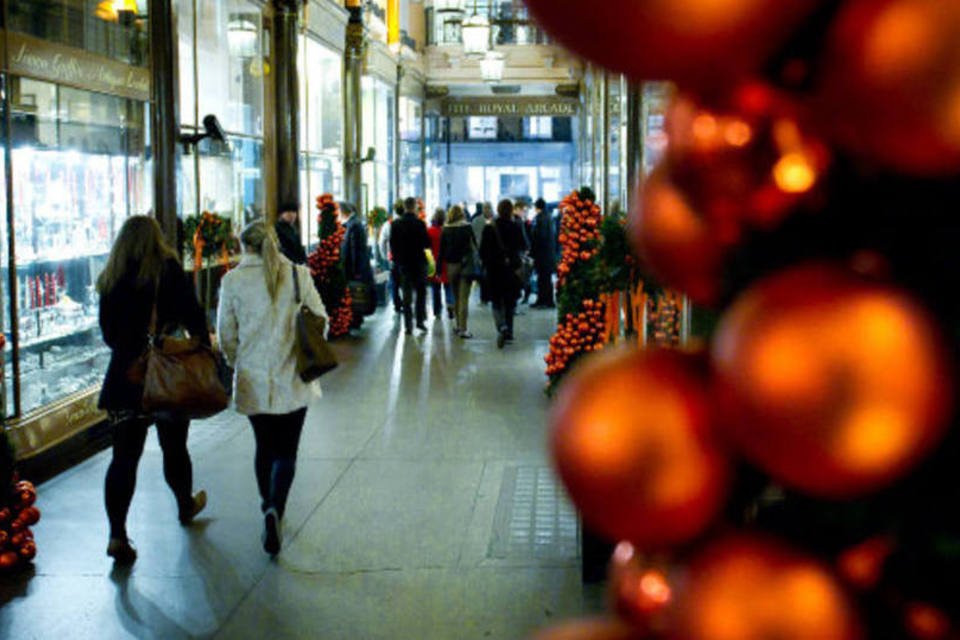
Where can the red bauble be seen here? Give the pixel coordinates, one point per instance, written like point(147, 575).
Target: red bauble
point(747, 588)
point(28, 550)
point(832, 383)
point(891, 83)
point(926, 622)
point(862, 565)
point(746, 165)
point(4, 539)
point(30, 516)
point(695, 42)
point(5, 514)
point(631, 436)
point(599, 629)
point(8, 560)
point(640, 593)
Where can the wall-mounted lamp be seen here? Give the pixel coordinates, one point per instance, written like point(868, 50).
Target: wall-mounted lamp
point(370, 157)
point(211, 129)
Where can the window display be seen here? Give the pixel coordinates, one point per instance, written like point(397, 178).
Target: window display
point(79, 169)
point(411, 147)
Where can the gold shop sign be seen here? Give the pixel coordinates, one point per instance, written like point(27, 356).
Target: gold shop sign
point(44, 60)
point(519, 107)
point(54, 424)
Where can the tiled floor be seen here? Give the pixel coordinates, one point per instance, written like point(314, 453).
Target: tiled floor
point(423, 508)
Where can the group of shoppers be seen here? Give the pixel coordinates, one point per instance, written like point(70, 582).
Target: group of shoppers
point(143, 291)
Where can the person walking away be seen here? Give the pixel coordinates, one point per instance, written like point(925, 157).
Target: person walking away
point(408, 242)
point(440, 282)
point(288, 233)
point(501, 252)
point(478, 224)
point(143, 276)
point(543, 244)
point(256, 327)
point(384, 242)
point(458, 253)
point(521, 215)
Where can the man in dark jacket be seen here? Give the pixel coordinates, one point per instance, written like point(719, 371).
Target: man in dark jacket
point(408, 242)
point(288, 234)
point(355, 250)
point(543, 252)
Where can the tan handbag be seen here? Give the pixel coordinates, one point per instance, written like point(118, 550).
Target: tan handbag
point(314, 355)
point(180, 375)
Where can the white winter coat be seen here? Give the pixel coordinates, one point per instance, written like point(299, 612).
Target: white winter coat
point(257, 337)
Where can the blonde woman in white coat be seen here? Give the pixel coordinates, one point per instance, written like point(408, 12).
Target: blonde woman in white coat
point(255, 326)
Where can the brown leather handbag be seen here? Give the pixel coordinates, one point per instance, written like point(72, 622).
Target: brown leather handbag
point(180, 375)
point(314, 355)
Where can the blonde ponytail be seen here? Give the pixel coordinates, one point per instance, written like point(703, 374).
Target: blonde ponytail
point(263, 239)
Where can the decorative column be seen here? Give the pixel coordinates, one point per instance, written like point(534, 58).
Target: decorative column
point(164, 115)
point(353, 105)
point(287, 99)
point(634, 160)
point(397, 141)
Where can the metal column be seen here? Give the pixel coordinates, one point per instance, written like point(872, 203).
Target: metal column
point(287, 99)
point(353, 107)
point(164, 114)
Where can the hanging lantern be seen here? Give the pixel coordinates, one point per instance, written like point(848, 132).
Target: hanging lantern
point(113, 10)
point(476, 36)
point(492, 66)
point(242, 38)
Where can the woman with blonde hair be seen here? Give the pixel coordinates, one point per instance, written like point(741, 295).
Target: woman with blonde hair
point(458, 251)
point(256, 328)
point(143, 274)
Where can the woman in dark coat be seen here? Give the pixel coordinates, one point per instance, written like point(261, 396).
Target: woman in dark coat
point(500, 250)
point(143, 269)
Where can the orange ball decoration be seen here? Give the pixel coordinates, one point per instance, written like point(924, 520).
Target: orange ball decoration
point(862, 565)
point(695, 42)
point(926, 622)
point(639, 592)
point(890, 89)
point(746, 165)
point(631, 437)
point(747, 588)
point(832, 383)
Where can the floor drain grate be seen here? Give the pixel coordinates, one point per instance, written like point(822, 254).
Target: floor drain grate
point(533, 518)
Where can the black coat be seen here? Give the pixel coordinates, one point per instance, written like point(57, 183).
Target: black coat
point(408, 240)
point(290, 244)
point(543, 242)
point(456, 241)
point(355, 252)
point(124, 320)
point(500, 251)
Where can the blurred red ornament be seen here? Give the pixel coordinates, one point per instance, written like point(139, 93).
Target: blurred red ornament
point(30, 516)
point(862, 565)
point(8, 560)
point(28, 550)
point(925, 622)
point(890, 88)
point(695, 42)
point(746, 588)
point(746, 165)
point(640, 593)
point(832, 383)
point(631, 436)
point(599, 629)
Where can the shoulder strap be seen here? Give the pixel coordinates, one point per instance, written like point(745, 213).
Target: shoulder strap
point(152, 327)
point(296, 284)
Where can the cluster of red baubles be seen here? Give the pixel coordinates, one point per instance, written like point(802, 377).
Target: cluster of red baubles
point(664, 317)
point(342, 317)
point(579, 233)
point(576, 334)
point(834, 382)
point(327, 253)
point(17, 515)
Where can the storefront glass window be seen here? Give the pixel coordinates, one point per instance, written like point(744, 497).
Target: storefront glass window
point(411, 148)
point(79, 169)
point(321, 128)
point(378, 132)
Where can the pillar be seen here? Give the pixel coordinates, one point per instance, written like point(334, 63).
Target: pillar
point(286, 99)
point(353, 105)
point(164, 116)
point(634, 159)
point(397, 142)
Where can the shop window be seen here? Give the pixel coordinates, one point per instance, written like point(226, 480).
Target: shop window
point(538, 128)
point(482, 127)
point(79, 169)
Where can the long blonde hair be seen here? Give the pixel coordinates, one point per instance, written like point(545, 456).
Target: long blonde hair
point(140, 249)
point(263, 239)
point(456, 215)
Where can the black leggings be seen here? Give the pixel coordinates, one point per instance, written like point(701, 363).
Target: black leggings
point(129, 437)
point(275, 462)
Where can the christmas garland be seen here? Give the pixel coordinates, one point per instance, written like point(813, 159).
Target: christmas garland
point(209, 235)
point(326, 268)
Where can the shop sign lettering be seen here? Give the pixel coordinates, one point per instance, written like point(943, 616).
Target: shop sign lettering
point(519, 108)
point(48, 61)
